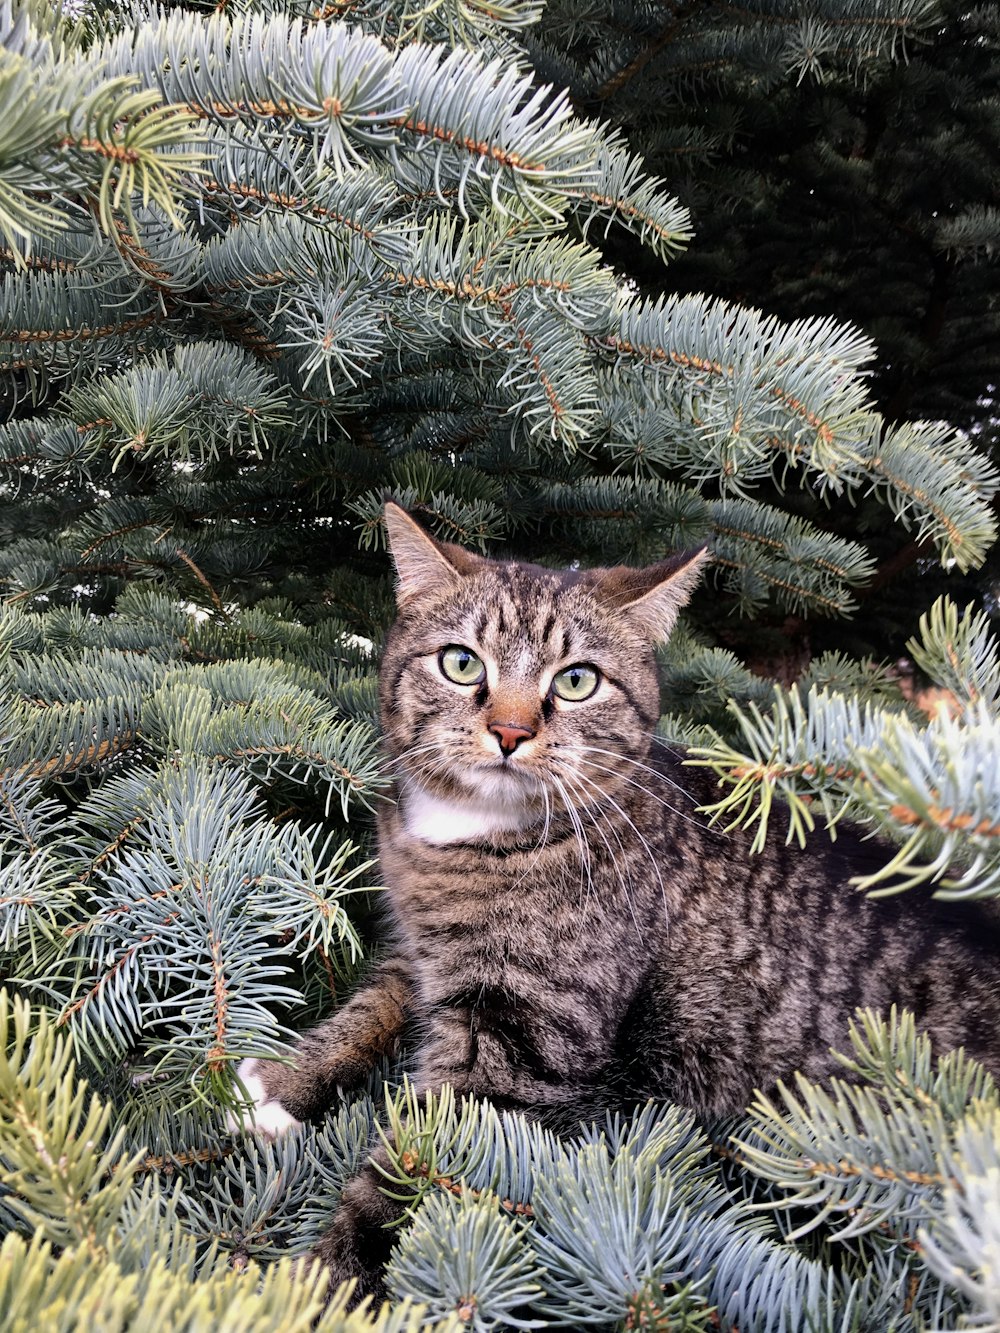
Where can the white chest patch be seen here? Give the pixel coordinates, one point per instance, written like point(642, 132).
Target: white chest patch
point(433, 819)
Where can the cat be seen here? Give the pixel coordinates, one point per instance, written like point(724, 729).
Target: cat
point(569, 935)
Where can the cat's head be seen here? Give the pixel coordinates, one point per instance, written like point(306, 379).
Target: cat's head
point(502, 679)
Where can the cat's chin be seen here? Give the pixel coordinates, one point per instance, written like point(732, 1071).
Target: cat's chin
point(516, 795)
point(499, 782)
point(513, 794)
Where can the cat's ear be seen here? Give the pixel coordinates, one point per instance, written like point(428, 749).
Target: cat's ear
point(652, 597)
point(423, 566)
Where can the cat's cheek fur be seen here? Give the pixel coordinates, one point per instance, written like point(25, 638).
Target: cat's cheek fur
point(267, 1117)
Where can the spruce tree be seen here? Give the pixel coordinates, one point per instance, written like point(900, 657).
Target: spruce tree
point(871, 198)
point(264, 266)
point(812, 190)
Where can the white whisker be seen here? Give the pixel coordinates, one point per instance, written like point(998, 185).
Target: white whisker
point(596, 815)
point(603, 768)
point(649, 851)
point(670, 746)
point(626, 759)
point(540, 845)
point(577, 824)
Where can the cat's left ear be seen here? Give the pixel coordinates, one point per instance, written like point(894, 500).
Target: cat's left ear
point(652, 597)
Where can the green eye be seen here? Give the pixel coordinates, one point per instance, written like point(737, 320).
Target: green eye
point(576, 683)
point(461, 665)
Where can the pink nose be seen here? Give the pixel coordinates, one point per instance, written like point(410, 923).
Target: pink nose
point(510, 736)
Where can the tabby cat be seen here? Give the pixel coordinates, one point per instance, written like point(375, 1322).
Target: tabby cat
point(568, 934)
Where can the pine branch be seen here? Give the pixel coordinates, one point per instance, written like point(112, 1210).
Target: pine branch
point(930, 785)
point(861, 1156)
point(959, 1242)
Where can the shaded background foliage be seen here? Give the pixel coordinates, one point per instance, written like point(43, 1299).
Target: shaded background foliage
point(870, 196)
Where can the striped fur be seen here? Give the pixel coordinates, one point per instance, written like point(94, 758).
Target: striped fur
point(568, 934)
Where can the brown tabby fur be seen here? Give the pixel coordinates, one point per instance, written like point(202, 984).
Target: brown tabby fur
point(614, 948)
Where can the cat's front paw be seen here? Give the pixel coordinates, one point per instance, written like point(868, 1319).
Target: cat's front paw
point(265, 1115)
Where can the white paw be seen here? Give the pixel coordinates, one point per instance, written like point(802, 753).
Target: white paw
point(268, 1118)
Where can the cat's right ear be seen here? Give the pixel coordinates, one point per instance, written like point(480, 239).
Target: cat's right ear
point(424, 567)
point(651, 598)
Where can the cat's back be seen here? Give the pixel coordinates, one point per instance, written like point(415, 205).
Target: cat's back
point(769, 954)
point(814, 883)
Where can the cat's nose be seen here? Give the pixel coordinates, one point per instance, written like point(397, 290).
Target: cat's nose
point(510, 736)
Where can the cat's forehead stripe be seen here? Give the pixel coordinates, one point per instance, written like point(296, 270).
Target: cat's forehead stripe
point(519, 619)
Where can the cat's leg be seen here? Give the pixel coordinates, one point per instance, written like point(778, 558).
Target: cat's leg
point(361, 1235)
point(335, 1056)
point(510, 1068)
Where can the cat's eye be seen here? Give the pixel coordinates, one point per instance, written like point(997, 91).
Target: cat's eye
point(576, 683)
point(461, 665)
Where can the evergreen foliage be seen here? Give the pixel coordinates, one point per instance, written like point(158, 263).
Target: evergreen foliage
point(872, 198)
point(263, 267)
